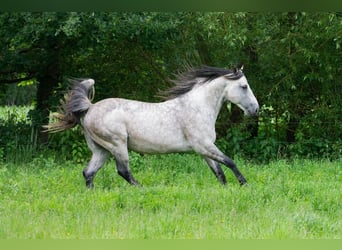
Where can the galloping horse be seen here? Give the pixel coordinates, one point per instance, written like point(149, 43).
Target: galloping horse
point(185, 121)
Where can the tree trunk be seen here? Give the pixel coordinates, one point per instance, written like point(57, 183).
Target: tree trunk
point(291, 129)
point(253, 123)
point(44, 92)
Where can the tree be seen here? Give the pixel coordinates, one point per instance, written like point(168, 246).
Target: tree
point(290, 61)
point(47, 47)
point(32, 47)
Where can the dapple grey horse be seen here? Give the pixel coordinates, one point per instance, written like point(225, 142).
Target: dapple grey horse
point(185, 121)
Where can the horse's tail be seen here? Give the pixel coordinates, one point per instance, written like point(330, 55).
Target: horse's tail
point(75, 105)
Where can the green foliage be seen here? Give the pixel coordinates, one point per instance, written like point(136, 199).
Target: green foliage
point(2, 154)
point(290, 61)
point(18, 141)
point(18, 94)
point(312, 138)
point(71, 145)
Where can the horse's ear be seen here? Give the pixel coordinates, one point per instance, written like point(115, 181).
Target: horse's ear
point(238, 68)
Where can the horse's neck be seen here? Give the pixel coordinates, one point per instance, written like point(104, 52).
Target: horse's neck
point(208, 98)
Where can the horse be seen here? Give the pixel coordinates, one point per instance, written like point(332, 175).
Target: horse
point(184, 121)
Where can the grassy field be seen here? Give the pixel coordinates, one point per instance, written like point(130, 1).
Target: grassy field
point(180, 199)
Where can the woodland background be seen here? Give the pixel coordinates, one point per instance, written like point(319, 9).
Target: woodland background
point(291, 60)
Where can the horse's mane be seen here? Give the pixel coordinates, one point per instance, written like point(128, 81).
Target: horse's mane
point(185, 81)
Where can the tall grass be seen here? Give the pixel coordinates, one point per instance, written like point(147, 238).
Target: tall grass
point(180, 199)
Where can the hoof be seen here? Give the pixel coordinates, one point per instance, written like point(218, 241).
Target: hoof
point(245, 184)
point(90, 185)
point(89, 180)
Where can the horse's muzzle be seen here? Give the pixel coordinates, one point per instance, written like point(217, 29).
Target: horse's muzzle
point(252, 111)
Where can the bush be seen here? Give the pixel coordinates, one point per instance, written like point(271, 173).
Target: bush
point(18, 139)
point(318, 135)
point(70, 144)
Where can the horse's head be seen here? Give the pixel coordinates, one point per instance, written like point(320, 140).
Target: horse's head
point(239, 93)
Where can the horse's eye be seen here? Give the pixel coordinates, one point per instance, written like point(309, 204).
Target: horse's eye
point(244, 86)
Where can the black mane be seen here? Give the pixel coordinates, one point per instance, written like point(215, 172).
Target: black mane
point(187, 80)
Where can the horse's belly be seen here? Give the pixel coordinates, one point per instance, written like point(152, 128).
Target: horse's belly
point(158, 144)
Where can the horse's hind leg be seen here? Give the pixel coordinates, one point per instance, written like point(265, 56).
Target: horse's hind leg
point(97, 160)
point(217, 170)
point(125, 172)
point(122, 164)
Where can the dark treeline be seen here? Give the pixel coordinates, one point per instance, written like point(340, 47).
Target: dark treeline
point(291, 60)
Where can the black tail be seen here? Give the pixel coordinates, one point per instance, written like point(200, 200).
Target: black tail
point(75, 104)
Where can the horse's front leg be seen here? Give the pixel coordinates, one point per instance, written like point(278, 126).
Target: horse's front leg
point(217, 170)
point(212, 152)
point(231, 164)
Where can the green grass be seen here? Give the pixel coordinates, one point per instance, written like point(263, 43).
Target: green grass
point(180, 199)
